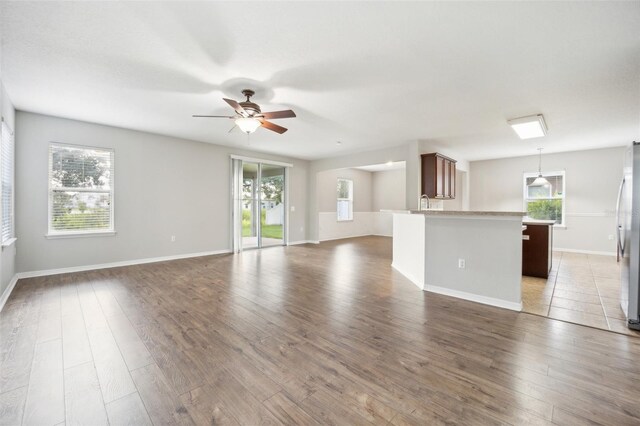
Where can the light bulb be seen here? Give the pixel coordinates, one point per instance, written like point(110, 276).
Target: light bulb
point(247, 125)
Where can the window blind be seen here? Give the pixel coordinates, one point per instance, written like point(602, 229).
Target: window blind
point(80, 189)
point(7, 161)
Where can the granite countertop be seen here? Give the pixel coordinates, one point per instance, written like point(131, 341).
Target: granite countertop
point(529, 221)
point(465, 213)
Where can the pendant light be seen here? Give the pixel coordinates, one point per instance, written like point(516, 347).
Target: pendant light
point(540, 180)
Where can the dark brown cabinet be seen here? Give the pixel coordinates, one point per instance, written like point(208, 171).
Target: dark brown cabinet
point(438, 176)
point(537, 249)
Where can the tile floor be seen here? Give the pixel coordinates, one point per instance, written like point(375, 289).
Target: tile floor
point(583, 289)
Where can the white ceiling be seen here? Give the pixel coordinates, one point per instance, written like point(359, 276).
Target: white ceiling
point(391, 165)
point(368, 74)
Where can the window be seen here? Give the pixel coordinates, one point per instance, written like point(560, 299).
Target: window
point(7, 176)
point(545, 202)
point(80, 189)
point(345, 199)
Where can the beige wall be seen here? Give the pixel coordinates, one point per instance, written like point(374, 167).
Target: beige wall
point(327, 189)
point(163, 186)
point(592, 180)
point(373, 191)
point(461, 190)
point(408, 152)
point(388, 189)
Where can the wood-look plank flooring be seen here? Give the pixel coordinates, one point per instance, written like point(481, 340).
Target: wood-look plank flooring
point(313, 334)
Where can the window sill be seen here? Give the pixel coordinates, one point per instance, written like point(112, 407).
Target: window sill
point(344, 220)
point(80, 234)
point(9, 243)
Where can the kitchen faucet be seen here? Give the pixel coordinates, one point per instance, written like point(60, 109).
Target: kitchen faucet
point(420, 202)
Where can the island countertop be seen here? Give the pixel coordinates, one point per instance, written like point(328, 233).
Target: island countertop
point(466, 213)
point(529, 221)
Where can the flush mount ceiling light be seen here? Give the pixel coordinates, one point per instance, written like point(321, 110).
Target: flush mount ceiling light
point(540, 180)
point(529, 127)
point(247, 125)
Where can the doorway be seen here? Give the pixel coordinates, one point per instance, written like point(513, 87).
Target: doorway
point(260, 213)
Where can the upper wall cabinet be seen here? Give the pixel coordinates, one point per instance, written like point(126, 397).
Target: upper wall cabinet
point(438, 176)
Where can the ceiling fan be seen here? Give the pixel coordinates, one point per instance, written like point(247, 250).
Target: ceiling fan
point(249, 116)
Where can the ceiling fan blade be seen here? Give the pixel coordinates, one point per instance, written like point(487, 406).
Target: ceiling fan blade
point(212, 116)
point(279, 114)
point(237, 107)
point(273, 127)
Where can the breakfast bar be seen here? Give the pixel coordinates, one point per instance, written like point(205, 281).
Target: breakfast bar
point(472, 255)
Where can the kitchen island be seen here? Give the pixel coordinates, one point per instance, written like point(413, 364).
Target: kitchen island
point(537, 247)
point(472, 255)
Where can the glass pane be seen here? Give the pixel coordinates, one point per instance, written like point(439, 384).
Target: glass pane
point(249, 203)
point(80, 168)
point(538, 191)
point(78, 211)
point(344, 188)
point(344, 210)
point(272, 205)
point(545, 210)
point(555, 190)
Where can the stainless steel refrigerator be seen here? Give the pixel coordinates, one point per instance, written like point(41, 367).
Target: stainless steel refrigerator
point(628, 232)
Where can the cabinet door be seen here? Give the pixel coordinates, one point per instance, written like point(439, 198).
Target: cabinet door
point(446, 179)
point(452, 180)
point(440, 171)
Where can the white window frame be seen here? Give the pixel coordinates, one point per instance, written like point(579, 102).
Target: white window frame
point(563, 197)
point(6, 242)
point(349, 199)
point(52, 233)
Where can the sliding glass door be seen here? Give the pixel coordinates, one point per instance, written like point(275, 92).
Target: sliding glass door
point(250, 210)
point(260, 204)
point(272, 211)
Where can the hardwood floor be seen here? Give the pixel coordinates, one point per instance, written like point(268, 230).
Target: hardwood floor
point(326, 334)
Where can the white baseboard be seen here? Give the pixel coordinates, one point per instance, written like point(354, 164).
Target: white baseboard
point(7, 291)
point(475, 297)
point(295, 243)
point(415, 280)
point(600, 253)
point(118, 264)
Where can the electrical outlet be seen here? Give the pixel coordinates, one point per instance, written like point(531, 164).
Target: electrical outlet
point(173, 238)
point(610, 237)
point(293, 208)
point(461, 263)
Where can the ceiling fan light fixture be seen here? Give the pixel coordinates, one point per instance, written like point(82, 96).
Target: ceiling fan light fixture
point(529, 127)
point(247, 124)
